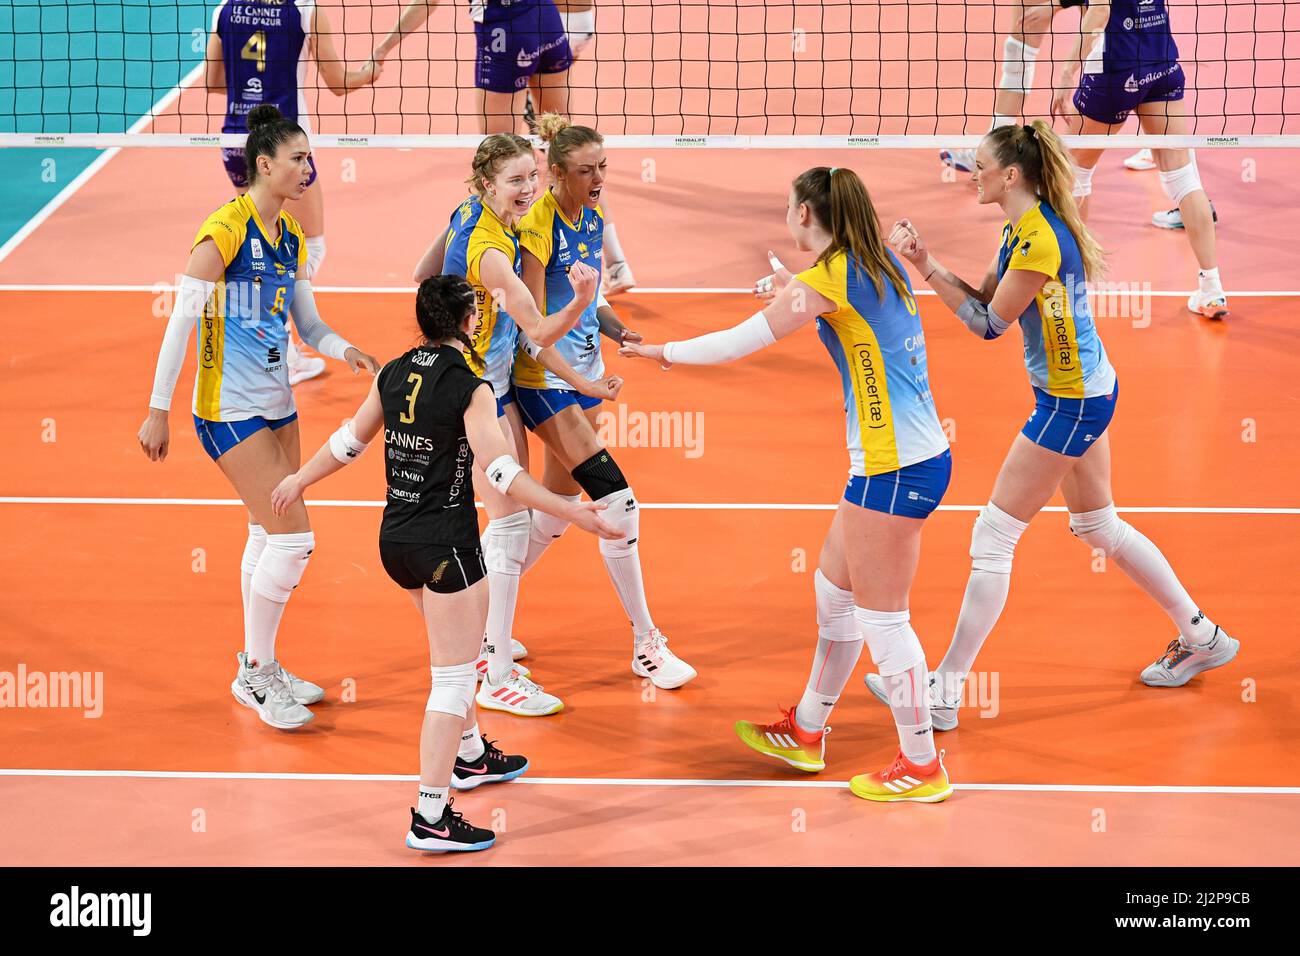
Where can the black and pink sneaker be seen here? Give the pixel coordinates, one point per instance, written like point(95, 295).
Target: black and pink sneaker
point(492, 767)
point(450, 833)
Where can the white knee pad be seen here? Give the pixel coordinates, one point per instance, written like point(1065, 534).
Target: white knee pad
point(894, 646)
point(1017, 66)
point(1180, 183)
point(1102, 529)
point(547, 527)
point(253, 548)
point(452, 690)
point(622, 511)
point(1083, 181)
point(834, 611)
point(282, 565)
point(505, 543)
point(993, 539)
point(315, 255)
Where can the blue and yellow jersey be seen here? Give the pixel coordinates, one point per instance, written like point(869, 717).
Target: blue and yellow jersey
point(558, 243)
point(879, 348)
point(475, 229)
point(242, 338)
point(1063, 351)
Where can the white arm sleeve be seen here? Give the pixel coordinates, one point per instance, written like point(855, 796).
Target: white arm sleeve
point(718, 347)
point(191, 296)
point(311, 326)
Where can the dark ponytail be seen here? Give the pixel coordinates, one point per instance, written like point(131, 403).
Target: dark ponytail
point(442, 303)
point(267, 131)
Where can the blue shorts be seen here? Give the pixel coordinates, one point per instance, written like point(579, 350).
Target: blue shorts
point(218, 438)
point(503, 401)
point(913, 491)
point(536, 405)
point(237, 168)
point(1069, 426)
point(1110, 97)
point(510, 51)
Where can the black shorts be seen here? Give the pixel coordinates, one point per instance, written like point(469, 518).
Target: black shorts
point(438, 567)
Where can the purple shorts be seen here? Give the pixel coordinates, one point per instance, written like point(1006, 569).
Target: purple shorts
point(1110, 97)
point(511, 51)
point(237, 168)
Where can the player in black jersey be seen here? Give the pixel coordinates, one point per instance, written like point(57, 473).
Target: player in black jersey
point(439, 421)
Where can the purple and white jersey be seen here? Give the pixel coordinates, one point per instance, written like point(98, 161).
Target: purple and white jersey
point(264, 45)
point(1138, 38)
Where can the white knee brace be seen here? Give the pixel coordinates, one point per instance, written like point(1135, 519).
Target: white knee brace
point(452, 690)
point(894, 646)
point(993, 539)
point(1102, 529)
point(1017, 66)
point(622, 511)
point(253, 548)
point(282, 565)
point(834, 611)
point(505, 543)
point(1083, 181)
point(1180, 183)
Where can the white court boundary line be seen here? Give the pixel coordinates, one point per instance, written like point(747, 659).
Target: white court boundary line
point(67, 192)
point(159, 288)
point(642, 782)
point(645, 506)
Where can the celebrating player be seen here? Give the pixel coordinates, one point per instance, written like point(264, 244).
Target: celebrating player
point(1038, 278)
point(562, 228)
point(482, 246)
point(439, 425)
point(256, 54)
point(899, 469)
point(242, 278)
point(1130, 64)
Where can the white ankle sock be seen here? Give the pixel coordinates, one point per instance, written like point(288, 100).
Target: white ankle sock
point(1210, 283)
point(432, 802)
point(471, 744)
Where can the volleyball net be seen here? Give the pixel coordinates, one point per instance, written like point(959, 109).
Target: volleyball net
point(741, 73)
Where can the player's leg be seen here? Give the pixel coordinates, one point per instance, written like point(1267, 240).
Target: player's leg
point(1182, 184)
point(501, 72)
point(799, 737)
point(505, 547)
point(615, 274)
point(1029, 476)
point(254, 465)
point(547, 528)
point(1100, 109)
point(550, 81)
point(454, 621)
point(579, 18)
point(1201, 644)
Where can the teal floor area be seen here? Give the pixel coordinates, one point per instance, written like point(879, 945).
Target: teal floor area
point(77, 66)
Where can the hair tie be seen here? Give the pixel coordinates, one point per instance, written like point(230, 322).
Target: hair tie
point(832, 172)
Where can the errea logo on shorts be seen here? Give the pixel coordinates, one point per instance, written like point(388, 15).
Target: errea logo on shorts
point(75, 909)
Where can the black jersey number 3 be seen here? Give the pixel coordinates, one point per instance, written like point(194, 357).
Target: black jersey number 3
point(408, 417)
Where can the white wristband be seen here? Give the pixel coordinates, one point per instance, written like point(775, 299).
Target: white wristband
point(344, 444)
point(501, 472)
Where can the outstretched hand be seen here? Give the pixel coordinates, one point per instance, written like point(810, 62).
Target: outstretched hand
point(644, 350)
point(769, 287)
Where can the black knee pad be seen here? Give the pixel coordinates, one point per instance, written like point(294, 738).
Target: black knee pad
point(599, 476)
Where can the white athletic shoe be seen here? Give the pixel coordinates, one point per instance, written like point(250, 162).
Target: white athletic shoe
point(480, 667)
point(517, 651)
point(305, 368)
point(519, 696)
point(303, 691)
point(1173, 219)
point(651, 658)
point(1212, 306)
point(1181, 661)
point(962, 160)
point(1141, 160)
point(616, 277)
point(943, 715)
point(264, 690)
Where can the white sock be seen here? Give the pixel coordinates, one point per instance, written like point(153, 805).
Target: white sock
point(613, 248)
point(1210, 283)
point(279, 569)
point(909, 700)
point(545, 531)
point(986, 596)
point(622, 560)
point(253, 549)
point(432, 802)
point(839, 645)
point(471, 744)
point(504, 552)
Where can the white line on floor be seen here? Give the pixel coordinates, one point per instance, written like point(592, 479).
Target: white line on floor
point(638, 781)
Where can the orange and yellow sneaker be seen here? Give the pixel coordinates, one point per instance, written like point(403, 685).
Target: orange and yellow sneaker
point(904, 780)
point(786, 740)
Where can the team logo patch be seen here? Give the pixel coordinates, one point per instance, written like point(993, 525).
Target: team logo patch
point(256, 245)
point(437, 575)
point(1131, 84)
